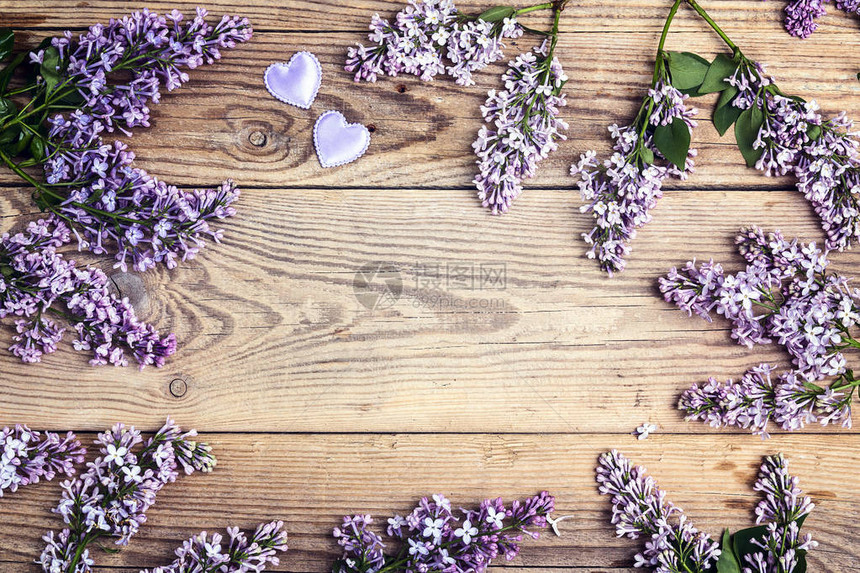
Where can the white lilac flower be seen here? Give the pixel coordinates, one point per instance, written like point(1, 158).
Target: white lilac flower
point(783, 505)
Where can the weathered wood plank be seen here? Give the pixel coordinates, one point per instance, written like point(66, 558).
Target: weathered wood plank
point(353, 15)
point(202, 133)
point(310, 481)
point(273, 336)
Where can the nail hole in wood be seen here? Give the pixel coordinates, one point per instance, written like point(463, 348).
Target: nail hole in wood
point(401, 88)
point(257, 138)
point(371, 128)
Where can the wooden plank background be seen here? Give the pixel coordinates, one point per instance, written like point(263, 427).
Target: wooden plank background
point(319, 407)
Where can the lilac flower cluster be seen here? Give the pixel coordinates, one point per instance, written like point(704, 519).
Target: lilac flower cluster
point(784, 294)
point(434, 538)
point(112, 206)
point(782, 510)
point(36, 281)
point(621, 191)
point(521, 127)
point(27, 456)
point(640, 509)
point(800, 15)
point(237, 554)
point(760, 397)
point(823, 155)
point(422, 36)
point(111, 498)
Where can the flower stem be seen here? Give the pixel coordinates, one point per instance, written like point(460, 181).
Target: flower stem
point(701, 12)
point(535, 8)
point(659, 62)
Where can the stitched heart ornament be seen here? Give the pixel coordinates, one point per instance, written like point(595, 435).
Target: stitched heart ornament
point(295, 82)
point(338, 142)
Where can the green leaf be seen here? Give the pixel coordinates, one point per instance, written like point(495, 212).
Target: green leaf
point(692, 92)
point(10, 135)
point(814, 132)
point(37, 149)
point(7, 109)
point(6, 72)
point(23, 143)
point(725, 114)
point(497, 13)
point(728, 562)
point(673, 141)
point(50, 68)
point(722, 68)
point(742, 541)
point(746, 132)
point(647, 155)
point(687, 69)
point(7, 40)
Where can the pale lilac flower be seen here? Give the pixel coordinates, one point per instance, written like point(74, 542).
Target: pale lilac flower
point(640, 509)
point(438, 540)
point(521, 128)
point(112, 206)
point(27, 456)
point(427, 38)
point(237, 553)
point(37, 282)
point(800, 15)
point(642, 432)
point(620, 191)
point(100, 503)
point(823, 155)
point(781, 509)
point(786, 295)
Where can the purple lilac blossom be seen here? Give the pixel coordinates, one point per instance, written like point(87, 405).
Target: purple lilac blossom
point(800, 15)
point(786, 295)
point(112, 206)
point(640, 509)
point(111, 498)
point(437, 538)
point(27, 456)
point(36, 282)
point(422, 36)
point(621, 191)
point(821, 154)
point(521, 127)
point(236, 554)
point(760, 397)
point(784, 504)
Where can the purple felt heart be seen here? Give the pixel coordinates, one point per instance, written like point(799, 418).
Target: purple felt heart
point(296, 82)
point(338, 142)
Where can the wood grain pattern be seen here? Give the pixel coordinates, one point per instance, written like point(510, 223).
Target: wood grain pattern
point(310, 481)
point(318, 406)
